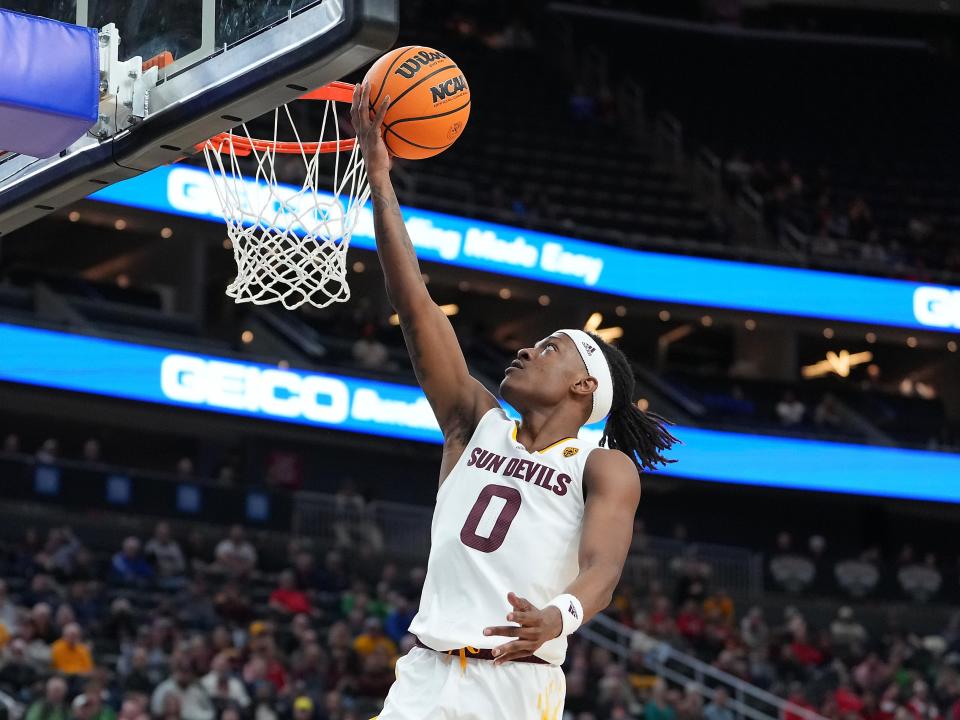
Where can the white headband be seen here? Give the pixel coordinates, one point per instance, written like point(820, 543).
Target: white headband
point(598, 369)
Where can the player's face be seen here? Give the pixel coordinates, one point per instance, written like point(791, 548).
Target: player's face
point(542, 375)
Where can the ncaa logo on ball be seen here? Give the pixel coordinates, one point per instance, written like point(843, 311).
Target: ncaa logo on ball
point(448, 89)
point(455, 130)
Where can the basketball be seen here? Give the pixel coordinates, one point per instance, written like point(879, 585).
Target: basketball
point(429, 100)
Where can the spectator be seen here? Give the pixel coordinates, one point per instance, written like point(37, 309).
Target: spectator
point(195, 608)
point(234, 555)
point(827, 414)
point(690, 623)
point(37, 649)
point(377, 675)
point(128, 566)
point(91, 451)
point(402, 612)
point(223, 687)
point(872, 674)
point(288, 599)
point(70, 656)
point(373, 638)
point(845, 631)
point(657, 707)
point(9, 614)
point(137, 676)
point(47, 453)
point(368, 351)
point(11, 443)
point(18, 674)
point(790, 410)
point(718, 708)
point(167, 557)
point(192, 701)
point(231, 605)
point(54, 705)
point(120, 625)
point(89, 705)
point(303, 708)
point(798, 698)
point(690, 706)
point(753, 628)
point(721, 603)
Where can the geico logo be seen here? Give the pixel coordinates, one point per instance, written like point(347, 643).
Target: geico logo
point(237, 386)
point(448, 88)
point(411, 66)
point(937, 306)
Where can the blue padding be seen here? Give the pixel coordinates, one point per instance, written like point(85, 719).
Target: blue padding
point(49, 83)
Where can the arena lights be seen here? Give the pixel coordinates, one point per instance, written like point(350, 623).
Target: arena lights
point(839, 363)
point(606, 334)
point(519, 252)
point(750, 324)
point(74, 216)
point(544, 300)
point(166, 233)
point(223, 385)
point(359, 267)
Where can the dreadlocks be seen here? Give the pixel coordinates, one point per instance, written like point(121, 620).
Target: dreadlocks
point(641, 435)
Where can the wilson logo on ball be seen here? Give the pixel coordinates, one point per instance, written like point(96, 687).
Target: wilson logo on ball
point(448, 88)
point(412, 65)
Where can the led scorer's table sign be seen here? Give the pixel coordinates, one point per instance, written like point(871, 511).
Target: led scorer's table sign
point(549, 258)
point(215, 384)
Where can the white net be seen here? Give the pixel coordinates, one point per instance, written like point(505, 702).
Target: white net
point(290, 243)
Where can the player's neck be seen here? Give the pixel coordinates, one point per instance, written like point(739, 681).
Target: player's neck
point(541, 429)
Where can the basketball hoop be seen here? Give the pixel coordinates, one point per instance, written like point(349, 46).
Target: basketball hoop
point(290, 244)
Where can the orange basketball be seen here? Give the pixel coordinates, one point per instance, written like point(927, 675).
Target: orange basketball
point(429, 100)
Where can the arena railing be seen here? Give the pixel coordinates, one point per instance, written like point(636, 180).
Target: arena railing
point(679, 668)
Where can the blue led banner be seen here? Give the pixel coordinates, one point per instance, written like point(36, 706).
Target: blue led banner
point(505, 250)
point(216, 384)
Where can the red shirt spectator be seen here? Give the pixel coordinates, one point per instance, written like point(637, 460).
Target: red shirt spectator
point(287, 598)
point(847, 700)
point(797, 698)
point(690, 621)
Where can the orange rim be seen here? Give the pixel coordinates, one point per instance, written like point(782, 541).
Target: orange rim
point(228, 142)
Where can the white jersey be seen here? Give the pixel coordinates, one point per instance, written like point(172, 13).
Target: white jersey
point(506, 520)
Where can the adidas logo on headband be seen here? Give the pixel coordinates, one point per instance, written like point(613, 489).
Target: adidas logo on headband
point(589, 348)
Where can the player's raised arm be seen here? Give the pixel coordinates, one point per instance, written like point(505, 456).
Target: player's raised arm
point(458, 400)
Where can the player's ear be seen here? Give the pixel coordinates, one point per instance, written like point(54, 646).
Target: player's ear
point(586, 385)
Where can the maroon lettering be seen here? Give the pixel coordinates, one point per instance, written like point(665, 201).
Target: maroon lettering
point(543, 480)
point(475, 455)
point(511, 466)
point(495, 463)
point(561, 487)
point(521, 469)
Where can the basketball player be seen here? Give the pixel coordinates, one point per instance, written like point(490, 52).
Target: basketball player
point(532, 526)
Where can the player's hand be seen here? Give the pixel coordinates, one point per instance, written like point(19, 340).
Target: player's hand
point(535, 628)
point(376, 157)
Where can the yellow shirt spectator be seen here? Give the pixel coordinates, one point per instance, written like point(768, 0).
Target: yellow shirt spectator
point(70, 656)
point(372, 639)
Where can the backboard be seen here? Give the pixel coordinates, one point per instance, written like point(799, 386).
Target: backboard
point(225, 62)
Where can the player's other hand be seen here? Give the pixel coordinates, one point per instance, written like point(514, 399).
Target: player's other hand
point(535, 627)
point(367, 124)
